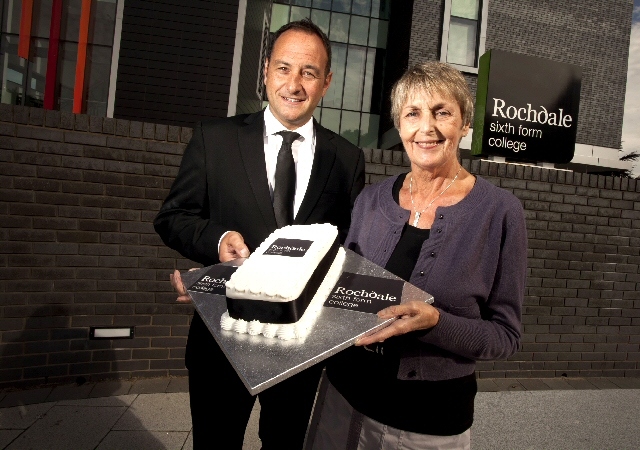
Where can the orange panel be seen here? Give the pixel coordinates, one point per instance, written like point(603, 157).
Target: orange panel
point(25, 29)
point(78, 88)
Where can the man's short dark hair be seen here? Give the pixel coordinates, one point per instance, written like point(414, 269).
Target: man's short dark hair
point(306, 26)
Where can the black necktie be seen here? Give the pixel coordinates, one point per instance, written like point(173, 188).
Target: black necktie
point(285, 182)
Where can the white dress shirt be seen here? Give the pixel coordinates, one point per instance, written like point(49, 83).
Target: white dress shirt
point(303, 150)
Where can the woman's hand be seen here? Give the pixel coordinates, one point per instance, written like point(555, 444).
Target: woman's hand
point(412, 316)
point(178, 286)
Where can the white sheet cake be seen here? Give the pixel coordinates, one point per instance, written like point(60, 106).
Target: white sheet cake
point(279, 273)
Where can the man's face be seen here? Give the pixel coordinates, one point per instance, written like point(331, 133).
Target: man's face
point(295, 77)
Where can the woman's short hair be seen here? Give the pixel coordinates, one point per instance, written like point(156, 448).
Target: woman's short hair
point(432, 77)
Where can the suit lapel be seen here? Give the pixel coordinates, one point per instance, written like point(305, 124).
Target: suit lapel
point(324, 156)
point(251, 145)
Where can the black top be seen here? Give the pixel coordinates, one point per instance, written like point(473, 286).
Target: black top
point(367, 377)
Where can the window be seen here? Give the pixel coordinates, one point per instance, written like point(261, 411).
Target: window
point(24, 80)
point(464, 33)
point(357, 30)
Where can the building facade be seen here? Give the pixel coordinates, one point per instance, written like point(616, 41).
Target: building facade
point(79, 190)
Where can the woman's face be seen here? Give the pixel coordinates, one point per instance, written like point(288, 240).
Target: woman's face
point(431, 128)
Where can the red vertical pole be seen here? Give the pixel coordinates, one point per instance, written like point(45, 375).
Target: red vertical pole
point(25, 29)
point(82, 56)
point(52, 57)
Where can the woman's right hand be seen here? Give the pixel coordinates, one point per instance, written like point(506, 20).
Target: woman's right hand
point(178, 286)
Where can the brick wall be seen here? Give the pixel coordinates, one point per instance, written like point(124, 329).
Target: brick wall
point(77, 249)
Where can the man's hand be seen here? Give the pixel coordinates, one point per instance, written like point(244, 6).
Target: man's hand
point(232, 247)
point(178, 286)
point(412, 316)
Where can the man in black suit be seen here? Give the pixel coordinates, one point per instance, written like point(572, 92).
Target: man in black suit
point(220, 208)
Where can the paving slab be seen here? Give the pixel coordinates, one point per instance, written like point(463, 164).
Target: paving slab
point(108, 388)
point(508, 384)
point(70, 392)
point(557, 384)
point(26, 397)
point(487, 385)
point(6, 436)
point(559, 419)
point(178, 385)
point(69, 427)
point(116, 400)
point(531, 384)
point(157, 412)
point(22, 417)
point(626, 383)
point(603, 383)
point(188, 445)
point(580, 383)
point(148, 440)
point(251, 439)
point(149, 386)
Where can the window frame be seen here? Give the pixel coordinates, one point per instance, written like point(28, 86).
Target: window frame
point(481, 41)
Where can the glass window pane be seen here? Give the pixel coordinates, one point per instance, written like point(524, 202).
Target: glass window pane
point(380, 9)
point(322, 4)
point(279, 17)
point(317, 113)
point(378, 33)
point(306, 3)
point(333, 98)
point(339, 31)
point(331, 119)
point(359, 31)
point(298, 13)
point(14, 71)
point(368, 80)
point(103, 22)
point(66, 74)
point(321, 18)
point(341, 6)
point(465, 8)
point(350, 126)
point(41, 18)
point(369, 130)
point(70, 25)
point(36, 73)
point(461, 48)
point(353, 78)
point(97, 79)
point(11, 10)
point(285, 2)
point(361, 7)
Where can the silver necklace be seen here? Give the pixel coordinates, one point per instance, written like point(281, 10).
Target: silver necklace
point(418, 213)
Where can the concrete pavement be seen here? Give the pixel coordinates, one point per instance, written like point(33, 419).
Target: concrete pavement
point(559, 413)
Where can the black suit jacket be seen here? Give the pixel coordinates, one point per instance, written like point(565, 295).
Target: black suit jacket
point(222, 186)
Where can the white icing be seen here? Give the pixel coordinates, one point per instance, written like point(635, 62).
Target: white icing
point(255, 327)
point(240, 326)
point(300, 329)
point(226, 321)
point(278, 278)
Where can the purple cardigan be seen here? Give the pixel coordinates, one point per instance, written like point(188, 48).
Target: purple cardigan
point(474, 264)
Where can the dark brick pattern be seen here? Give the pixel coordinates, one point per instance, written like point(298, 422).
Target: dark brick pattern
point(77, 249)
point(589, 33)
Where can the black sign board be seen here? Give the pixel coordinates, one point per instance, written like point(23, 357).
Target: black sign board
point(288, 247)
point(213, 282)
point(526, 108)
point(364, 293)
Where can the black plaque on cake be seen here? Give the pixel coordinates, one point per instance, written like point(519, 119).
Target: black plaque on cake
point(364, 293)
point(213, 282)
point(295, 248)
point(284, 312)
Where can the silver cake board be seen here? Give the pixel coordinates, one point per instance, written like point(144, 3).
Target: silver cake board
point(263, 362)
